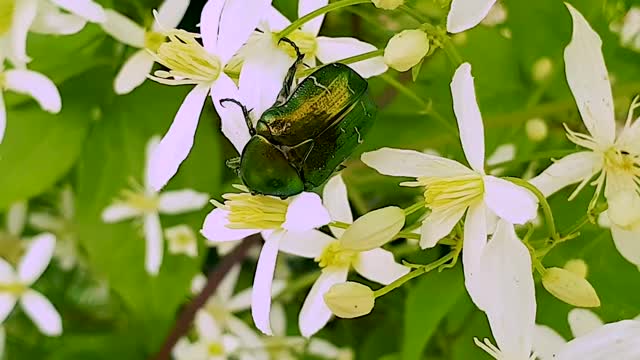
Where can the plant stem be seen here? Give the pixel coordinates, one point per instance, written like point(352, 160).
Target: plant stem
point(546, 209)
point(346, 61)
point(413, 274)
point(321, 11)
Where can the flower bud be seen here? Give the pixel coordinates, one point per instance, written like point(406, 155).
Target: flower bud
point(387, 4)
point(570, 288)
point(373, 229)
point(542, 69)
point(406, 49)
point(349, 299)
point(536, 129)
point(624, 209)
point(578, 267)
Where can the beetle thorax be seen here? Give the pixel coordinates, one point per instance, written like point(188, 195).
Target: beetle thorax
point(248, 211)
point(7, 8)
point(305, 41)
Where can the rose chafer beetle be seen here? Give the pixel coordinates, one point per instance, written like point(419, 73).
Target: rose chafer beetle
point(306, 135)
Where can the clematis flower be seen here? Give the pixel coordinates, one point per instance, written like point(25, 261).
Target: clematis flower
point(278, 220)
point(225, 27)
point(182, 240)
point(15, 286)
point(593, 339)
point(146, 204)
point(135, 70)
point(465, 14)
point(614, 160)
point(212, 343)
point(451, 189)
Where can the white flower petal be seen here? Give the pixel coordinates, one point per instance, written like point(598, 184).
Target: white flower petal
point(589, 80)
point(261, 294)
point(323, 349)
point(16, 218)
point(133, 73)
point(154, 245)
point(245, 333)
point(177, 142)
point(475, 240)
point(237, 21)
point(215, 228)
point(275, 20)
point(46, 222)
point(439, 224)
point(118, 212)
point(7, 274)
point(37, 258)
point(278, 319)
point(305, 212)
point(123, 29)
point(468, 115)
point(315, 314)
point(583, 321)
point(234, 126)
point(379, 265)
point(465, 14)
point(209, 24)
point(509, 201)
point(508, 296)
point(546, 342)
point(242, 300)
point(228, 284)
point(336, 201)
point(3, 117)
point(619, 340)
point(36, 85)
point(309, 244)
point(568, 170)
point(23, 16)
point(335, 49)
point(50, 20)
point(628, 243)
point(42, 312)
point(398, 162)
point(7, 303)
point(207, 327)
point(181, 201)
point(307, 6)
point(170, 13)
point(87, 9)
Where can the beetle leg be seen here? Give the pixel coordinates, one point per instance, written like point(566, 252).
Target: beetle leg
point(287, 86)
point(245, 113)
point(233, 164)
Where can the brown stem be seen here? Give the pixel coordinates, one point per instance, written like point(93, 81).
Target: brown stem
point(215, 277)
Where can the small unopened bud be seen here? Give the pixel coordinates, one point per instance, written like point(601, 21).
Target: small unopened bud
point(542, 69)
point(570, 288)
point(387, 4)
point(406, 49)
point(349, 299)
point(578, 267)
point(624, 209)
point(373, 229)
point(536, 129)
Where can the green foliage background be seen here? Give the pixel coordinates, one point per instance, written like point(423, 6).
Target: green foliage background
point(96, 144)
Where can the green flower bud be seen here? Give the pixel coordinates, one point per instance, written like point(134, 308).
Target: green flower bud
point(577, 266)
point(536, 129)
point(373, 229)
point(570, 288)
point(349, 299)
point(542, 69)
point(406, 49)
point(387, 4)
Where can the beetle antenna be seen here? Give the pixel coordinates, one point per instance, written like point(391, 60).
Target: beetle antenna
point(245, 113)
point(287, 86)
point(299, 55)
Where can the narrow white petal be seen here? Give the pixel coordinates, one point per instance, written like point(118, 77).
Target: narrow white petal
point(305, 212)
point(309, 244)
point(228, 284)
point(237, 22)
point(36, 85)
point(46, 222)
point(465, 14)
point(379, 265)
point(323, 348)
point(123, 29)
point(181, 201)
point(215, 228)
point(177, 142)
point(619, 340)
point(51, 20)
point(315, 314)
point(87, 9)
point(628, 243)
point(468, 115)
point(261, 294)
point(336, 201)
point(546, 342)
point(42, 312)
point(16, 218)
point(278, 319)
point(234, 126)
point(37, 258)
point(3, 118)
point(275, 20)
point(475, 240)
point(335, 49)
point(209, 24)
point(7, 303)
point(509, 201)
point(207, 327)
point(589, 80)
point(568, 170)
point(118, 212)
point(133, 73)
point(170, 13)
point(583, 321)
point(508, 294)
point(437, 225)
point(397, 162)
point(154, 245)
point(244, 332)
point(307, 6)
point(23, 16)
point(7, 274)
point(242, 300)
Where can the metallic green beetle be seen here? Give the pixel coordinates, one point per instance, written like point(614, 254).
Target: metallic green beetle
point(306, 135)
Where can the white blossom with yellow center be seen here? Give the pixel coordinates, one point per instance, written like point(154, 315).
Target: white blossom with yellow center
point(212, 342)
point(614, 160)
point(278, 220)
point(135, 70)
point(145, 203)
point(451, 189)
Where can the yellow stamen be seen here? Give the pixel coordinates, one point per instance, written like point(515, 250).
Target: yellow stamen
point(16, 289)
point(248, 211)
point(335, 255)
point(306, 42)
point(442, 194)
point(216, 349)
point(140, 200)
point(7, 7)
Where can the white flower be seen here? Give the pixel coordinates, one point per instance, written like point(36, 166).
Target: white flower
point(465, 14)
point(243, 214)
point(507, 295)
point(212, 343)
point(182, 240)
point(225, 27)
point(629, 29)
point(31, 83)
point(64, 17)
point(593, 339)
point(453, 189)
point(147, 204)
point(15, 286)
point(135, 70)
point(616, 159)
point(336, 258)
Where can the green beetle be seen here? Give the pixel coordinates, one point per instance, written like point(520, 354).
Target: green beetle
point(306, 135)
